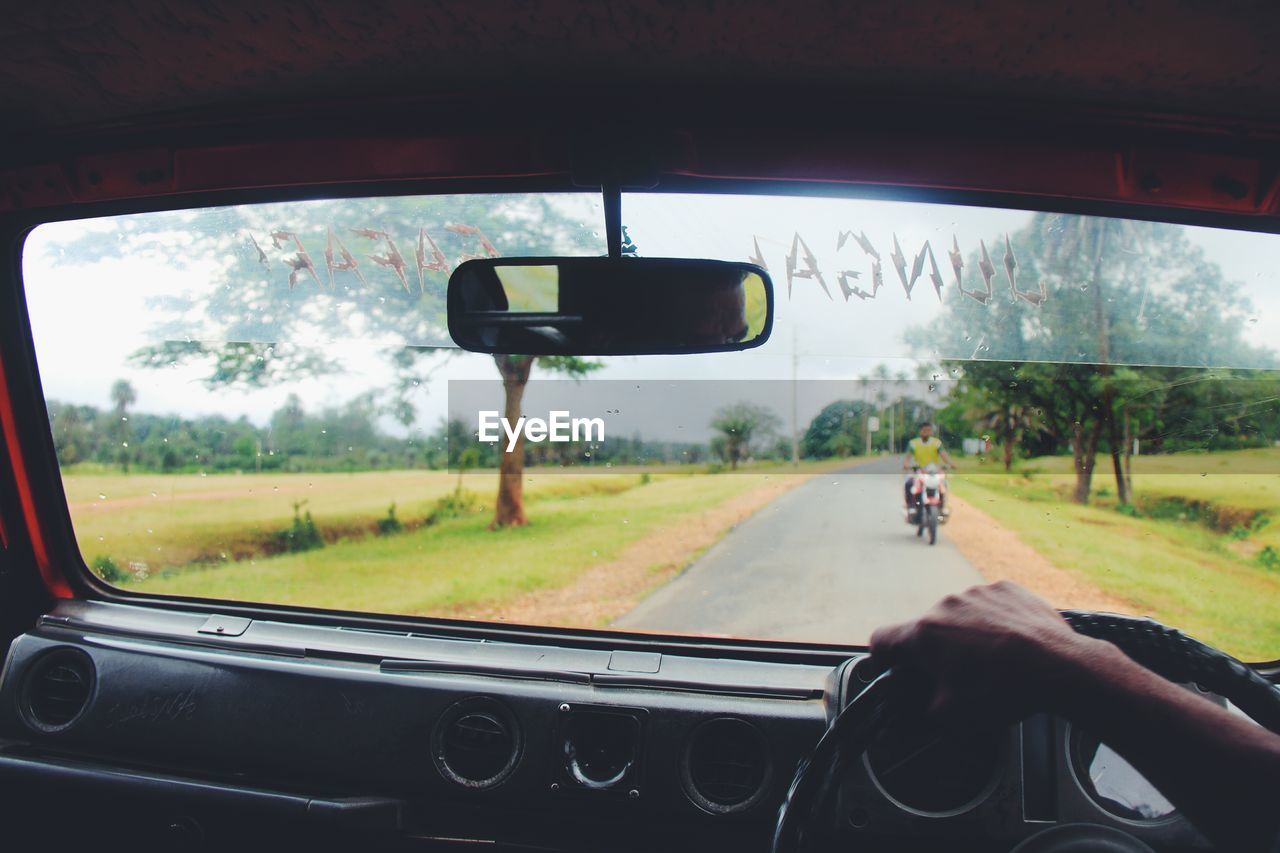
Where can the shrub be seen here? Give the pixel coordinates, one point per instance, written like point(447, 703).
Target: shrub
point(457, 503)
point(645, 478)
point(109, 570)
point(301, 535)
point(1269, 557)
point(1128, 509)
point(389, 524)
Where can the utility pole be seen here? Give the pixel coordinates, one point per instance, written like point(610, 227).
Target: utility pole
point(892, 432)
point(795, 436)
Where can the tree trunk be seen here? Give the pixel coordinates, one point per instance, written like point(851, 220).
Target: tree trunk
point(1128, 452)
point(1009, 434)
point(1084, 451)
point(508, 510)
point(1108, 391)
point(1117, 444)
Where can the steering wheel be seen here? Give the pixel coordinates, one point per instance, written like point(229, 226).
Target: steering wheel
point(1164, 650)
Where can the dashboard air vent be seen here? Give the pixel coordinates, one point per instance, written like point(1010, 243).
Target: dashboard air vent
point(726, 766)
point(477, 743)
point(57, 689)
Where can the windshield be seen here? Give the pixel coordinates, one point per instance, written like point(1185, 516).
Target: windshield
point(262, 403)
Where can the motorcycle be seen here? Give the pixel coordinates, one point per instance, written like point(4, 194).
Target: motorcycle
point(926, 508)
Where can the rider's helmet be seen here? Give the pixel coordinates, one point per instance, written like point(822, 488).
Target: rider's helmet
point(931, 468)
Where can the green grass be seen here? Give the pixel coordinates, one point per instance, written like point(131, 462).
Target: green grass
point(461, 562)
point(1183, 573)
point(175, 520)
point(172, 520)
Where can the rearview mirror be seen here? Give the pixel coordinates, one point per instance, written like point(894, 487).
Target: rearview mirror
point(608, 306)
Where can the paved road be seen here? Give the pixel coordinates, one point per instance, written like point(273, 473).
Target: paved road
point(827, 561)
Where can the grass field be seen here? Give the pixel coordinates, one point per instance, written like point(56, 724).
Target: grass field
point(461, 562)
point(170, 521)
point(201, 535)
point(1198, 566)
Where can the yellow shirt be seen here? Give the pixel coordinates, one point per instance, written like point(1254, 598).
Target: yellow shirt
point(925, 451)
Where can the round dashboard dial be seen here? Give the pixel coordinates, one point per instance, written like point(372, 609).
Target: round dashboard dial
point(936, 775)
point(1112, 783)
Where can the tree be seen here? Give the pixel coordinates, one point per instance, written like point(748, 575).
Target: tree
point(1009, 419)
point(837, 430)
point(122, 397)
point(69, 439)
point(290, 278)
point(738, 424)
point(1105, 296)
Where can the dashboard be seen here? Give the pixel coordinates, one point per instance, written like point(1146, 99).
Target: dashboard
point(204, 727)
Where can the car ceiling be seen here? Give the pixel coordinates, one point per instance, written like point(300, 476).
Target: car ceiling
point(1163, 104)
point(78, 63)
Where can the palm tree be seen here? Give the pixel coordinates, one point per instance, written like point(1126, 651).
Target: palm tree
point(738, 425)
point(1011, 421)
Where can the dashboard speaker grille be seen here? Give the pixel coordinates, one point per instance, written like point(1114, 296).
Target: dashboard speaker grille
point(476, 743)
point(57, 689)
point(727, 766)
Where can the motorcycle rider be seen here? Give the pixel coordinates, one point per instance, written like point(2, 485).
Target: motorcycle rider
point(922, 451)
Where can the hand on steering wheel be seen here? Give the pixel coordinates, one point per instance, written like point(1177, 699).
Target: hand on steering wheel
point(1026, 636)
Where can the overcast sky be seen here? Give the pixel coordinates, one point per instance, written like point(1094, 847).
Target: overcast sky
point(88, 318)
